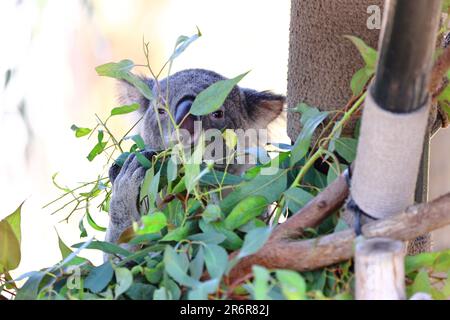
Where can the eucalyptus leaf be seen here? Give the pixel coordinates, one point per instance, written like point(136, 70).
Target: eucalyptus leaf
point(125, 109)
point(9, 248)
point(106, 247)
point(369, 54)
point(296, 198)
point(213, 97)
point(253, 241)
point(202, 291)
point(99, 277)
point(346, 147)
point(260, 283)
point(80, 132)
point(140, 291)
point(292, 284)
point(311, 118)
point(173, 267)
point(196, 265)
point(216, 260)
point(212, 213)
point(268, 186)
point(66, 252)
point(124, 280)
point(245, 211)
point(153, 223)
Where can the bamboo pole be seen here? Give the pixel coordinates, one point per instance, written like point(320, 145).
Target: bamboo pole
point(379, 269)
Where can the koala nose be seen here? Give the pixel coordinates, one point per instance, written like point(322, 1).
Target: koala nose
point(183, 118)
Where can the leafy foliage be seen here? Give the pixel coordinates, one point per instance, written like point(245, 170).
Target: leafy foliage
point(182, 247)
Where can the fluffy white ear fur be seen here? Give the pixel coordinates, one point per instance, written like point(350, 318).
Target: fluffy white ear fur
point(263, 107)
point(129, 94)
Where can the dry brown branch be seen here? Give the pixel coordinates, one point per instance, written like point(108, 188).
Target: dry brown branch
point(440, 68)
point(284, 251)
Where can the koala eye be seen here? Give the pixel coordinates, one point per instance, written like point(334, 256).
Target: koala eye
point(217, 114)
point(161, 111)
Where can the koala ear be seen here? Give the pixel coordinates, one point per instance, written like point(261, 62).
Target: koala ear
point(129, 94)
point(263, 106)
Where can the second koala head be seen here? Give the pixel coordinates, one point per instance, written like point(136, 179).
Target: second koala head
point(242, 109)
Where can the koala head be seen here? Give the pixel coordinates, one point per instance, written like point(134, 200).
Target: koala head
point(242, 109)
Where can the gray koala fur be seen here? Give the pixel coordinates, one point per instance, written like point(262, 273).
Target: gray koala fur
point(243, 109)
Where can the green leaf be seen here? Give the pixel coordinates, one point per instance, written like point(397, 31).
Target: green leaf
point(360, 79)
point(122, 71)
point(124, 280)
point(125, 109)
point(213, 97)
point(335, 171)
point(14, 222)
point(216, 260)
point(245, 211)
point(115, 69)
point(172, 170)
point(83, 232)
point(173, 266)
point(161, 294)
point(153, 223)
point(423, 260)
point(341, 225)
point(140, 291)
point(442, 262)
point(292, 284)
point(121, 159)
point(99, 277)
point(179, 233)
point(30, 290)
point(154, 275)
point(93, 224)
point(254, 240)
point(202, 291)
point(66, 251)
point(260, 283)
point(208, 237)
point(80, 132)
point(98, 149)
point(214, 178)
point(212, 213)
point(369, 54)
point(196, 265)
point(232, 240)
point(9, 248)
point(346, 147)
point(105, 247)
point(252, 224)
point(296, 198)
point(268, 186)
point(192, 166)
point(182, 43)
point(138, 140)
point(143, 161)
point(421, 283)
point(311, 119)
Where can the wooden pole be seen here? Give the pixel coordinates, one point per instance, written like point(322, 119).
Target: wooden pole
point(379, 269)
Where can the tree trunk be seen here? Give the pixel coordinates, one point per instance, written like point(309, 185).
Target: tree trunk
point(321, 61)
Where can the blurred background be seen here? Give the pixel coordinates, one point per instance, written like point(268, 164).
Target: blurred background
point(49, 49)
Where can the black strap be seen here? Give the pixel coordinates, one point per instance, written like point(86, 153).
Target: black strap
point(352, 206)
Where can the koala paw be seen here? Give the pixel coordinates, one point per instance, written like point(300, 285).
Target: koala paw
point(124, 204)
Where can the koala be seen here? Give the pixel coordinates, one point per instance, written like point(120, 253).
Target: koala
point(243, 109)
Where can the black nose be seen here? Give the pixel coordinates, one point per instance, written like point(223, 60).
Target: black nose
point(183, 118)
